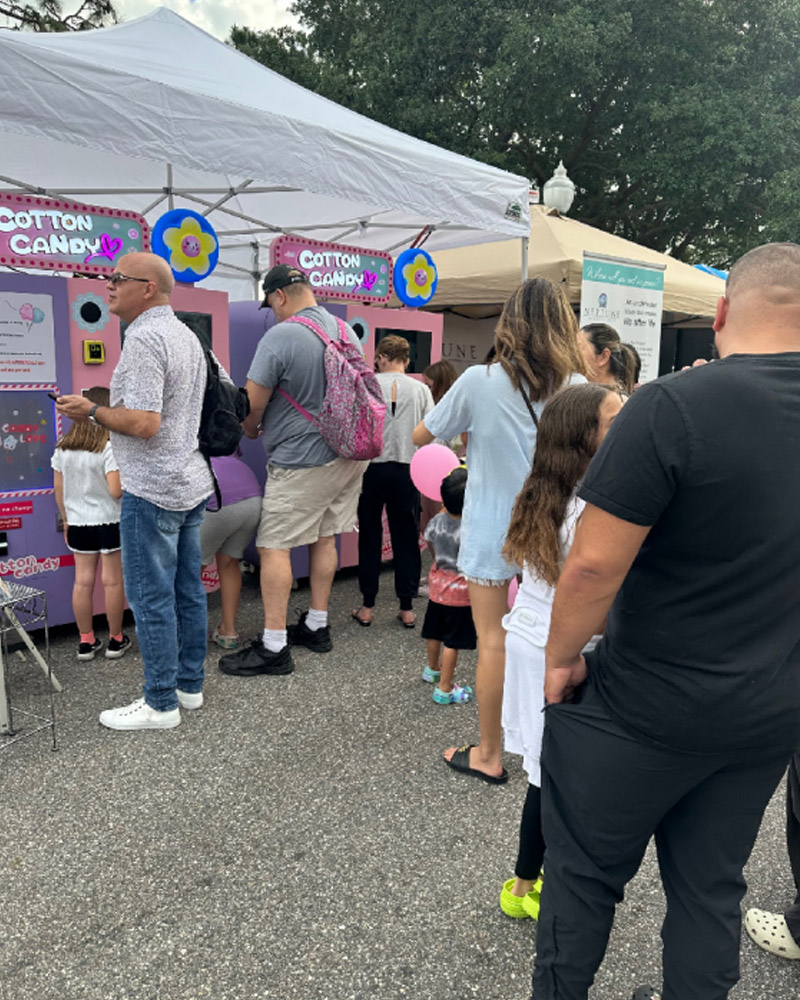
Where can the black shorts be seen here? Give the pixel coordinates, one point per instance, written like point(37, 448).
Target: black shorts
point(89, 538)
point(451, 626)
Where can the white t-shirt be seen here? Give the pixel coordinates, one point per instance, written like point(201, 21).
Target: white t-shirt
point(86, 497)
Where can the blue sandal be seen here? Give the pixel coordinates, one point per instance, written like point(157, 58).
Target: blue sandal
point(457, 695)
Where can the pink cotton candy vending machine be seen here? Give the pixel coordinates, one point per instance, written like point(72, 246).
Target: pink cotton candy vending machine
point(57, 335)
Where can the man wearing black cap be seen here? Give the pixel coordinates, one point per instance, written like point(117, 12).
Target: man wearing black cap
point(311, 493)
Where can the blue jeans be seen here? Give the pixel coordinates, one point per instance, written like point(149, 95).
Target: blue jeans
point(161, 568)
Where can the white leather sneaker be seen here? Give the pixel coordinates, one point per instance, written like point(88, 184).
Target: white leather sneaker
point(139, 715)
point(190, 701)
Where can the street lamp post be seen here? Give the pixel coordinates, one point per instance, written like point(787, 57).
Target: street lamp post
point(559, 191)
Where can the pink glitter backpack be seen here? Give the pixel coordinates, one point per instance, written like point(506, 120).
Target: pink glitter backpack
point(353, 412)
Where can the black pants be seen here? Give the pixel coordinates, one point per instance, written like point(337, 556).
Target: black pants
point(603, 795)
point(793, 842)
point(531, 841)
point(388, 484)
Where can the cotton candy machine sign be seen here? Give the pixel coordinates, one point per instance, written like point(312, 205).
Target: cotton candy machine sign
point(54, 234)
point(337, 271)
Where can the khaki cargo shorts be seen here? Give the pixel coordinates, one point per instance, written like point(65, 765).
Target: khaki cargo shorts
point(301, 506)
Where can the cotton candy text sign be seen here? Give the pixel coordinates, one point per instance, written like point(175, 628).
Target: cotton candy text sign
point(336, 271)
point(54, 234)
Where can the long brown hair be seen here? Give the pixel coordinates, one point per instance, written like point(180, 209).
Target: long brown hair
point(621, 357)
point(565, 443)
point(442, 375)
point(536, 339)
point(87, 436)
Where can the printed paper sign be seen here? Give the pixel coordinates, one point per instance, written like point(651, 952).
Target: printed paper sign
point(628, 296)
point(52, 233)
point(10, 523)
point(27, 339)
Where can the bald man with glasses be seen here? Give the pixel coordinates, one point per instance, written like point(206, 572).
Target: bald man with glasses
point(156, 399)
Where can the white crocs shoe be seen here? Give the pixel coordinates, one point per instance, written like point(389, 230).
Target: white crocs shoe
point(770, 932)
point(139, 715)
point(190, 701)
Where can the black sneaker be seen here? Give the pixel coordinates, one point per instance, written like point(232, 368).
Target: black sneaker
point(301, 635)
point(646, 993)
point(86, 650)
point(254, 659)
point(117, 648)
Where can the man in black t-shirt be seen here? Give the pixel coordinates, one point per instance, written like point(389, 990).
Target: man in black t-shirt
point(682, 721)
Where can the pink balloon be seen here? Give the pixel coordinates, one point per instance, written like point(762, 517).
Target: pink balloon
point(513, 587)
point(429, 466)
point(26, 312)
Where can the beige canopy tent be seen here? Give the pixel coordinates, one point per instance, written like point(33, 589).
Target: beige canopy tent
point(475, 281)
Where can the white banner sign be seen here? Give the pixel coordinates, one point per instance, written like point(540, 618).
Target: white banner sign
point(628, 296)
point(27, 342)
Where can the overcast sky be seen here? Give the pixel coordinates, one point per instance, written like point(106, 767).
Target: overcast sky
point(214, 16)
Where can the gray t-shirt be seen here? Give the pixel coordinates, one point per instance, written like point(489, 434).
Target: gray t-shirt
point(444, 534)
point(413, 401)
point(162, 369)
point(291, 357)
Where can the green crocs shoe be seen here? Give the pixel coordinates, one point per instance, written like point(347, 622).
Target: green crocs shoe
point(431, 676)
point(519, 907)
point(531, 902)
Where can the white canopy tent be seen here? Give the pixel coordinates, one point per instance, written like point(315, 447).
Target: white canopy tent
point(155, 114)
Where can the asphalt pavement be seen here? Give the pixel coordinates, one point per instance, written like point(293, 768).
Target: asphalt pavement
point(298, 837)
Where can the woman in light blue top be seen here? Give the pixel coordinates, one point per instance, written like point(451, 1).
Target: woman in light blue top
point(498, 406)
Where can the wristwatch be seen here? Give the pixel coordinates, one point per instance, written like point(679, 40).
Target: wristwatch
point(92, 417)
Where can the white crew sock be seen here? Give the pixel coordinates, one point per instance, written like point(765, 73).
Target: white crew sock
point(274, 639)
point(315, 620)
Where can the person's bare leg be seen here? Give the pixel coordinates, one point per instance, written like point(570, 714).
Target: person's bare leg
point(324, 561)
point(489, 605)
point(521, 887)
point(276, 586)
point(434, 653)
point(83, 589)
point(114, 589)
point(449, 661)
point(230, 589)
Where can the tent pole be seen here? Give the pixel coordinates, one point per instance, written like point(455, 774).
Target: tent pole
point(525, 245)
point(169, 187)
point(256, 272)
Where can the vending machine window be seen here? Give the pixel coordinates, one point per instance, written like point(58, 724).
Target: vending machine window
point(419, 343)
point(201, 325)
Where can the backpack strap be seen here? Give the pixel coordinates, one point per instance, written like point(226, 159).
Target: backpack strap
point(217, 494)
point(295, 404)
point(312, 325)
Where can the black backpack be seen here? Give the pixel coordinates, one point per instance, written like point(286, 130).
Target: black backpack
point(225, 406)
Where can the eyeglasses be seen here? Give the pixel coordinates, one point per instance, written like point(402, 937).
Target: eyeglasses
point(116, 278)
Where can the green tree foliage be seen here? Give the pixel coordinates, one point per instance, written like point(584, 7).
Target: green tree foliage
point(48, 15)
point(677, 121)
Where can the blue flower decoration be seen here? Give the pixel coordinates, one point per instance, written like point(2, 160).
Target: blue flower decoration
point(415, 278)
point(90, 312)
point(188, 243)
